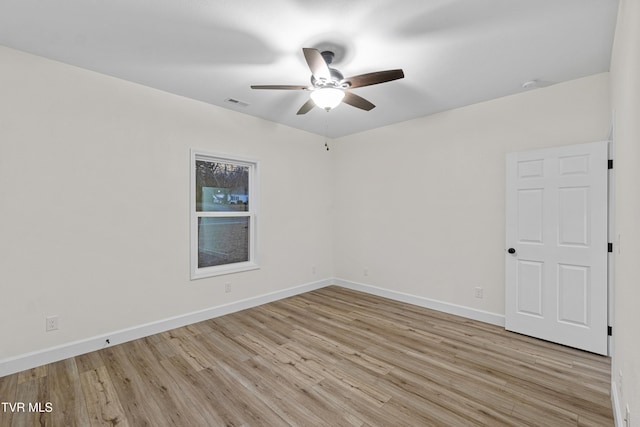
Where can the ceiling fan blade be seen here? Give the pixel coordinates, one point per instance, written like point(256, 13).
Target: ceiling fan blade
point(306, 107)
point(357, 101)
point(317, 64)
point(374, 78)
point(281, 87)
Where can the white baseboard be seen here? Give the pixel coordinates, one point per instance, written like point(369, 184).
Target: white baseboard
point(54, 354)
point(618, 418)
point(458, 310)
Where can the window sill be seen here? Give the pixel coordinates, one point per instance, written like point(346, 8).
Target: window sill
point(202, 273)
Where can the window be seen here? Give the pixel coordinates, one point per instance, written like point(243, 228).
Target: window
point(223, 215)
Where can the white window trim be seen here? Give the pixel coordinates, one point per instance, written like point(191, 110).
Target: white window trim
point(252, 214)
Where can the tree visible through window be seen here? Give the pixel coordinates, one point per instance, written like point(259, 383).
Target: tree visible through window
point(223, 218)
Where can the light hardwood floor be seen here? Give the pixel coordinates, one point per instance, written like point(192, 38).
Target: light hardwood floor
point(332, 357)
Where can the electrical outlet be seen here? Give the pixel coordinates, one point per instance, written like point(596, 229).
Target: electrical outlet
point(479, 292)
point(627, 417)
point(227, 287)
point(51, 323)
point(366, 272)
point(313, 270)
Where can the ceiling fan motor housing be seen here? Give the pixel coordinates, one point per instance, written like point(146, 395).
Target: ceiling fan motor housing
point(336, 76)
point(336, 80)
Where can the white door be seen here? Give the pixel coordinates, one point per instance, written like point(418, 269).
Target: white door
point(556, 258)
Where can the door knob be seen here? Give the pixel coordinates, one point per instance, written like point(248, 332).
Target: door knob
point(511, 250)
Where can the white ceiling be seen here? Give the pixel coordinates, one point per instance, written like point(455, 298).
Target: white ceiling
point(453, 52)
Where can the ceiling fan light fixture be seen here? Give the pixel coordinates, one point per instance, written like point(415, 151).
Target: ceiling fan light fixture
point(327, 98)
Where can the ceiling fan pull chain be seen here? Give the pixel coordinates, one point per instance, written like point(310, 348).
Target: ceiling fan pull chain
point(326, 132)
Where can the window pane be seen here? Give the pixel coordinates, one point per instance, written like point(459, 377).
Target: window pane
point(221, 187)
point(222, 241)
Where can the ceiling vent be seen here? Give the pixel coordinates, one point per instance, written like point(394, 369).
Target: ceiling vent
point(236, 102)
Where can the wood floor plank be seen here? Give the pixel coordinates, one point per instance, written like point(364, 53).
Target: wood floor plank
point(34, 391)
point(32, 374)
point(132, 389)
point(160, 387)
point(357, 405)
point(89, 361)
point(221, 346)
point(194, 391)
point(8, 390)
point(270, 325)
point(283, 396)
point(359, 382)
point(103, 405)
point(203, 395)
point(187, 347)
point(334, 357)
point(66, 395)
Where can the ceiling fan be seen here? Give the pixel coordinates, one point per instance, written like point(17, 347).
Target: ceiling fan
point(329, 87)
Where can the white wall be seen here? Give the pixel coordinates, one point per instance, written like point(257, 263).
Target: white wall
point(625, 85)
point(420, 204)
point(94, 204)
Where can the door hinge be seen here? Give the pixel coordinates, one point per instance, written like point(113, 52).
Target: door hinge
point(610, 330)
point(609, 247)
point(610, 164)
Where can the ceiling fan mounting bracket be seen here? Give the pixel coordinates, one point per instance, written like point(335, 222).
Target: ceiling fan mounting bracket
point(328, 56)
point(337, 78)
point(340, 46)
